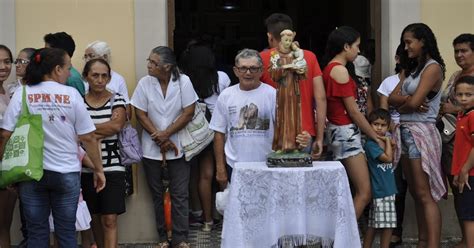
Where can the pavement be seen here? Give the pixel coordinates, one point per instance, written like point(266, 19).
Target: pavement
point(200, 239)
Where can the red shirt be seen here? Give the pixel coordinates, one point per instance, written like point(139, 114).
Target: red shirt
point(463, 142)
point(306, 87)
point(335, 92)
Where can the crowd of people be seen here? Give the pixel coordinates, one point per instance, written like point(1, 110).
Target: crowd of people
point(385, 149)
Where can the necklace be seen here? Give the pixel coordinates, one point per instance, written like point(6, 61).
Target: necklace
point(97, 101)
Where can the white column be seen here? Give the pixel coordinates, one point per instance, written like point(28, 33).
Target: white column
point(396, 15)
point(151, 30)
point(7, 28)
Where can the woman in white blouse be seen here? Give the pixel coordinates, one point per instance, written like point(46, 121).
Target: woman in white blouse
point(164, 103)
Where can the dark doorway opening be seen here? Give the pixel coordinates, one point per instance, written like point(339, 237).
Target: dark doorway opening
point(230, 25)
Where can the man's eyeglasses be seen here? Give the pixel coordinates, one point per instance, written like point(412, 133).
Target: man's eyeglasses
point(21, 62)
point(89, 56)
point(245, 69)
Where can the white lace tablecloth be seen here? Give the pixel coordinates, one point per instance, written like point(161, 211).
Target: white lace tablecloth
point(287, 207)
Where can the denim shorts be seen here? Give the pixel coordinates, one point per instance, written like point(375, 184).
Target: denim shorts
point(466, 202)
point(344, 141)
point(408, 144)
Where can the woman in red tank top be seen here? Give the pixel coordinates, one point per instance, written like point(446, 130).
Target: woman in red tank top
point(343, 114)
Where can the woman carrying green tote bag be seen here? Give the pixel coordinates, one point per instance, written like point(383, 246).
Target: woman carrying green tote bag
point(23, 155)
point(65, 121)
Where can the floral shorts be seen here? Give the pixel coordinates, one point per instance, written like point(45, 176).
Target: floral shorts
point(344, 141)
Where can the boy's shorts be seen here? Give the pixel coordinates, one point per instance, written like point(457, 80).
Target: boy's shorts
point(382, 213)
point(466, 206)
point(344, 141)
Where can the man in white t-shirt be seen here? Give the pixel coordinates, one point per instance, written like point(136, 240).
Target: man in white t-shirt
point(243, 118)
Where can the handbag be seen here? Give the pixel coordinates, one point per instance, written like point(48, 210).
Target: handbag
point(23, 154)
point(447, 127)
point(130, 149)
point(196, 135)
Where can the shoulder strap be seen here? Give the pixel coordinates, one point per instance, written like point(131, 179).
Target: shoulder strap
point(112, 101)
point(24, 106)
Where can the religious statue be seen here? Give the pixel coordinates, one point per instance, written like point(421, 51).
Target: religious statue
point(287, 68)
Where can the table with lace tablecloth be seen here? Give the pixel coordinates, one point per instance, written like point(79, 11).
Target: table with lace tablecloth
point(288, 207)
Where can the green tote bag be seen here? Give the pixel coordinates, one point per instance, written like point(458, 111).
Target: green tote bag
point(23, 155)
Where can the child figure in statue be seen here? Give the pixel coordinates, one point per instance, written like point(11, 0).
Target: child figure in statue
point(287, 68)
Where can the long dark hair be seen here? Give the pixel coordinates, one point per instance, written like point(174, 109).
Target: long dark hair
point(423, 33)
point(336, 41)
point(42, 63)
point(199, 64)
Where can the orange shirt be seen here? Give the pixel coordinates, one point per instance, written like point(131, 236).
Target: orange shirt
point(306, 87)
point(463, 141)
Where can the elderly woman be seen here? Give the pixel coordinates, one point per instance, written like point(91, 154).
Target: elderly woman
point(100, 49)
point(107, 111)
point(464, 55)
point(7, 196)
point(164, 103)
point(63, 120)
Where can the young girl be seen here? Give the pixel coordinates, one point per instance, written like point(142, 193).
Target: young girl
point(463, 157)
point(417, 99)
point(343, 114)
point(8, 196)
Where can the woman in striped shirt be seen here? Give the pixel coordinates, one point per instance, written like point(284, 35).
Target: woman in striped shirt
point(107, 111)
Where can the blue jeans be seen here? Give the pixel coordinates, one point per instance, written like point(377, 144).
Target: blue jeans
point(55, 192)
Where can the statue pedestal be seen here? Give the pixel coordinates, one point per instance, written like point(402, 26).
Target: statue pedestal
point(292, 159)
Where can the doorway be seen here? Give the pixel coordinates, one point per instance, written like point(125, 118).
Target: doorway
point(230, 25)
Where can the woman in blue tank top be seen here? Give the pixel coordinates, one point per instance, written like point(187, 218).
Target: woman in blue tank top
point(417, 98)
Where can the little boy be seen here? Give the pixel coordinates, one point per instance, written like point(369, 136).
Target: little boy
point(463, 157)
point(382, 213)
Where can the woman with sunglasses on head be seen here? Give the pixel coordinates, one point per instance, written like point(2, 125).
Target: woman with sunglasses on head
point(7, 196)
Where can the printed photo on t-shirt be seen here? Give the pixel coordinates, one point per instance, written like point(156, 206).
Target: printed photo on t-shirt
point(248, 119)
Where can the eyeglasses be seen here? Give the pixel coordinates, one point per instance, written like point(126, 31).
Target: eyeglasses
point(245, 69)
point(21, 61)
point(153, 63)
point(89, 56)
